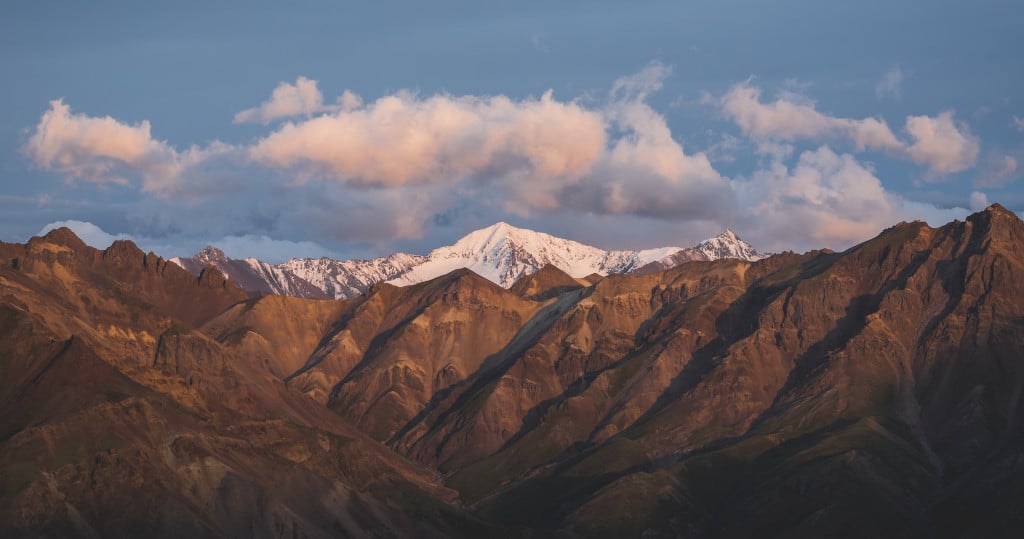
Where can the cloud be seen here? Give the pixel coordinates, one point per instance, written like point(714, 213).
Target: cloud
point(789, 120)
point(937, 142)
point(537, 154)
point(1018, 123)
point(91, 234)
point(979, 201)
point(638, 86)
point(287, 100)
point(826, 199)
point(941, 144)
point(369, 175)
point(404, 139)
point(645, 171)
point(92, 148)
point(270, 250)
point(996, 171)
point(891, 84)
point(243, 246)
point(94, 236)
point(104, 151)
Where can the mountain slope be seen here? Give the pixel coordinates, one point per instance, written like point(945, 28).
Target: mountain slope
point(789, 396)
point(118, 417)
point(873, 392)
point(501, 253)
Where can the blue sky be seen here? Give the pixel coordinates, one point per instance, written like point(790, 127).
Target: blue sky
point(797, 124)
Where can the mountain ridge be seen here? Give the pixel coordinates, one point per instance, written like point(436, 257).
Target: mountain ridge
point(501, 253)
point(873, 392)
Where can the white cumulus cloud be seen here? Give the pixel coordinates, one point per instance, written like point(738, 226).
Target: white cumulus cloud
point(790, 120)
point(377, 171)
point(941, 144)
point(617, 157)
point(404, 139)
point(938, 142)
point(826, 199)
point(979, 201)
point(104, 150)
point(287, 100)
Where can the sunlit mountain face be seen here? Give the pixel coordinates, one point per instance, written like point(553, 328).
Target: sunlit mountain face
point(458, 269)
point(792, 394)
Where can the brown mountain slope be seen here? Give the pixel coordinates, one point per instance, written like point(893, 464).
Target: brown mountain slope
point(793, 395)
point(547, 283)
point(853, 394)
point(874, 392)
point(673, 260)
point(278, 331)
point(121, 419)
point(400, 347)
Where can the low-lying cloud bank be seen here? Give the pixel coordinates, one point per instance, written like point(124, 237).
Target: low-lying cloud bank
point(376, 170)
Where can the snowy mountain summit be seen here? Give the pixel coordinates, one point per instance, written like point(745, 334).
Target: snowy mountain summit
point(727, 245)
point(501, 253)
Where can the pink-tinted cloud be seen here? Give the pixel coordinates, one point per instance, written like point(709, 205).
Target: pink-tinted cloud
point(941, 144)
point(91, 148)
point(825, 200)
point(646, 171)
point(104, 150)
point(403, 139)
point(287, 100)
point(387, 168)
point(789, 120)
point(937, 142)
point(541, 153)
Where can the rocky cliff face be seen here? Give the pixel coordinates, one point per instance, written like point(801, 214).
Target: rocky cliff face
point(873, 392)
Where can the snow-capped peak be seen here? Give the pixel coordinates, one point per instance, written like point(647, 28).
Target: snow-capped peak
point(728, 245)
point(501, 235)
point(504, 253)
point(501, 253)
point(210, 255)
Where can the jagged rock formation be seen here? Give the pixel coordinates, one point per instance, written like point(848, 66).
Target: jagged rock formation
point(791, 395)
point(121, 418)
point(501, 253)
point(873, 392)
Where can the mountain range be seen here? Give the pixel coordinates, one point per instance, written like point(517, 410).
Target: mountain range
point(874, 392)
point(501, 253)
